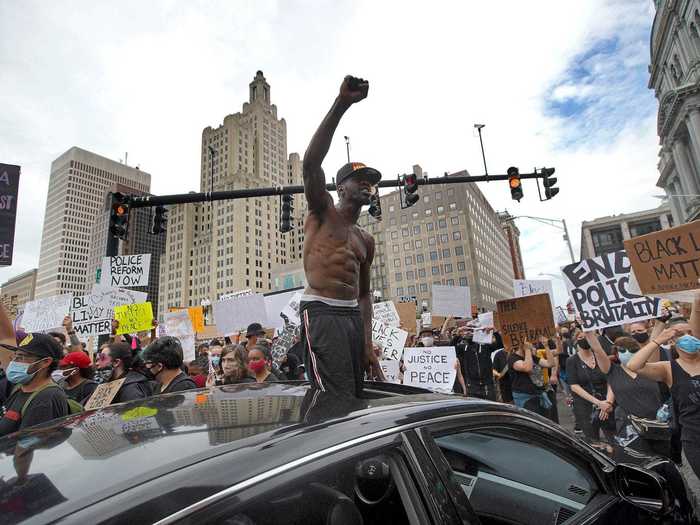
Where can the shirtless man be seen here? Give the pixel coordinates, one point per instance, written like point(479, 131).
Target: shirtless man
point(336, 307)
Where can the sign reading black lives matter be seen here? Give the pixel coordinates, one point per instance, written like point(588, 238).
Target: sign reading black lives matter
point(600, 290)
point(9, 186)
point(127, 271)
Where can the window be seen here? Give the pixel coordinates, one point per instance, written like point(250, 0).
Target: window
point(459, 250)
point(408, 260)
point(448, 268)
point(433, 256)
point(444, 238)
point(398, 276)
point(426, 198)
point(453, 206)
point(457, 236)
point(461, 266)
point(395, 248)
point(414, 214)
point(421, 272)
point(607, 241)
point(428, 212)
point(423, 287)
point(391, 208)
point(442, 223)
point(430, 226)
point(445, 253)
point(404, 232)
point(450, 282)
point(399, 290)
point(410, 275)
point(412, 290)
point(435, 270)
point(450, 192)
point(441, 209)
point(394, 235)
point(419, 244)
point(463, 281)
point(397, 263)
point(407, 245)
point(416, 229)
point(420, 258)
point(642, 228)
point(404, 219)
point(432, 241)
point(454, 221)
point(438, 195)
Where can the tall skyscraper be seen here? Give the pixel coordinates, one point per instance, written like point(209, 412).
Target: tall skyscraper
point(78, 185)
point(227, 246)
point(512, 233)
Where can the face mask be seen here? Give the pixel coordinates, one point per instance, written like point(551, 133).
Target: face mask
point(57, 376)
point(256, 366)
point(641, 337)
point(624, 357)
point(17, 373)
point(215, 360)
point(103, 375)
point(688, 344)
point(148, 372)
point(427, 341)
point(583, 344)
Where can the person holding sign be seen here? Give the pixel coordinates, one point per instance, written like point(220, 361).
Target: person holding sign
point(336, 308)
point(528, 381)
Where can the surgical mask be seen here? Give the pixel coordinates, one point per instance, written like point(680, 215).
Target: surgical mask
point(583, 344)
point(17, 373)
point(688, 344)
point(256, 366)
point(625, 357)
point(427, 341)
point(215, 360)
point(641, 337)
point(150, 375)
point(57, 376)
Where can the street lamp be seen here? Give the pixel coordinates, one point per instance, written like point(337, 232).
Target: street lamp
point(556, 223)
point(347, 146)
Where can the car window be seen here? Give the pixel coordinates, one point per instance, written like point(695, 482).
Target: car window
point(516, 478)
point(374, 488)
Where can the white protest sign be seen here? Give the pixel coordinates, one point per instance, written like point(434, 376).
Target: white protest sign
point(386, 313)
point(484, 332)
point(119, 296)
point(233, 315)
point(129, 271)
point(90, 315)
point(178, 323)
point(390, 367)
point(600, 290)
point(46, 314)
point(239, 293)
point(432, 368)
point(426, 319)
point(188, 346)
point(451, 300)
point(282, 304)
point(389, 338)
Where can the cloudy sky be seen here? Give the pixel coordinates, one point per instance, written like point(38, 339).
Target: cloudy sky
point(558, 83)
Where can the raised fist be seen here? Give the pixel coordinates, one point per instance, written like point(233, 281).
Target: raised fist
point(353, 89)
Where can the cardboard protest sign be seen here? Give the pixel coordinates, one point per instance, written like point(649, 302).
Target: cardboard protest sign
point(431, 368)
point(667, 263)
point(46, 314)
point(601, 294)
point(9, 188)
point(235, 314)
point(386, 313)
point(389, 338)
point(407, 316)
point(104, 394)
point(484, 332)
point(390, 367)
point(134, 318)
point(451, 300)
point(524, 319)
point(129, 271)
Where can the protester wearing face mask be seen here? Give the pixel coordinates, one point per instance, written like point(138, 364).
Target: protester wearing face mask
point(215, 349)
point(501, 370)
point(75, 375)
point(426, 338)
point(35, 398)
point(113, 363)
point(527, 385)
point(260, 364)
point(475, 364)
point(163, 361)
point(593, 398)
point(234, 366)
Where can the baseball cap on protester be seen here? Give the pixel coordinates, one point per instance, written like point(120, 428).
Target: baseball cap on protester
point(79, 359)
point(254, 329)
point(39, 345)
point(352, 169)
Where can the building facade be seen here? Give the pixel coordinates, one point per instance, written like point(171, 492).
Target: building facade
point(226, 246)
point(17, 292)
point(675, 78)
point(451, 236)
point(606, 234)
point(78, 185)
point(513, 237)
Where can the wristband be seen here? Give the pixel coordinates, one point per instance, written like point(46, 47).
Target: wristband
point(657, 344)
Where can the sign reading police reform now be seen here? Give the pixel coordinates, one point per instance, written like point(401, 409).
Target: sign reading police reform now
point(126, 271)
point(600, 290)
point(9, 187)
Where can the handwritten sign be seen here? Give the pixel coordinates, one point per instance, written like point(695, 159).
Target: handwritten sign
point(128, 271)
point(239, 293)
point(451, 300)
point(9, 188)
point(46, 314)
point(407, 315)
point(284, 341)
point(432, 368)
point(282, 308)
point(426, 320)
point(389, 338)
point(91, 315)
point(188, 347)
point(104, 394)
point(236, 314)
point(601, 292)
point(386, 313)
point(134, 318)
point(667, 263)
point(390, 367)
point(483, 333)
point(524, 319)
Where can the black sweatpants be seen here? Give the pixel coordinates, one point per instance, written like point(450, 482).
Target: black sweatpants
point(333, 340)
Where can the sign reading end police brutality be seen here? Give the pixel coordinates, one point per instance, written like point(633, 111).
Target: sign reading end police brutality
point(601, 292)
point(126, 271)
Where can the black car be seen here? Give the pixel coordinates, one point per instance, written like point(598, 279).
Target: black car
point(282, 453)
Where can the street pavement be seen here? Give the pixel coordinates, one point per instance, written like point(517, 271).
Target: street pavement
point(566, 420)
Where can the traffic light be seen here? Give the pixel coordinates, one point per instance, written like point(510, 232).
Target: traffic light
point(549, 182)
point(160, 220)
point(516, 185)
point(375, 207)
point(410, 186)
point(119, 216)
point(286, 213)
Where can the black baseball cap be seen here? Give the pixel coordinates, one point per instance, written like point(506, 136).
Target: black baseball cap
point(40, 345)
point(254, 329)
point(352, 169)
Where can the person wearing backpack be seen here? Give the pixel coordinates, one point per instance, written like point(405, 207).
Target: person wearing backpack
point(35, 398)
point(113, 363)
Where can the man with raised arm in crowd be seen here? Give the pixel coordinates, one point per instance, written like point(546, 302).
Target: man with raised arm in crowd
point(336, 308)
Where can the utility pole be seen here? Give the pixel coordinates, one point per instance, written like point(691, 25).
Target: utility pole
point(556, 223)
point(568, 240)
point(483, 155)
point(347, 146)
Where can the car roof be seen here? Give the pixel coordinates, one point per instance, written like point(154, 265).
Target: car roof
point(85, 458)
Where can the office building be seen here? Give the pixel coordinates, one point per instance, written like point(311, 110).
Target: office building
point(78, 185)
point(513, 237)
point(18, 291)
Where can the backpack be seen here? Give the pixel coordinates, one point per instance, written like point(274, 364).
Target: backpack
point(73, 406)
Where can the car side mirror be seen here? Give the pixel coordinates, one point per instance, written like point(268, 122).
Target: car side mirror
point(641, 488)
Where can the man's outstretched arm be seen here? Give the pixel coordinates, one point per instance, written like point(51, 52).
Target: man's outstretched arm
point(371, 363)
point(314, 179)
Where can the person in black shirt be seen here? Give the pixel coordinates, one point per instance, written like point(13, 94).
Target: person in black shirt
point(114, 363)
point(260, 364)
point(528, 380)
point(162, 360)
point(36, 398)
point(75, 376)
point(503, 375)
point(475, 363)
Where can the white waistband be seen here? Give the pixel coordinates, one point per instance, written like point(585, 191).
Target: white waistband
point(347, 303)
